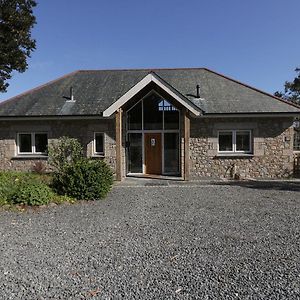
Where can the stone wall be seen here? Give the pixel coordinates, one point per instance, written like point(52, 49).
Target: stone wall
point(272, 149)
point(80, 129)
point(272, 145)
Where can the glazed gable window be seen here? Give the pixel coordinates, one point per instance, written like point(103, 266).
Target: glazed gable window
point(98, 143)
point(32, 143)
point(234, 141)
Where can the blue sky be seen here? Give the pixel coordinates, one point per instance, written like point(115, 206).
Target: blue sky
point(254, 41)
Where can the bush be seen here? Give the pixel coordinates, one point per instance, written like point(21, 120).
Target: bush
point(32, 193)
point(10, 183)
point(59, 199)
point(84, 180)
point(64, 152)
point(24, 188)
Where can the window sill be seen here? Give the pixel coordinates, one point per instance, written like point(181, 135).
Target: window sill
point(233, 155)
point(30, 156)
point(98, 156)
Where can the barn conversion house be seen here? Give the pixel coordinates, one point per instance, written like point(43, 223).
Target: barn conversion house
point(188, 123)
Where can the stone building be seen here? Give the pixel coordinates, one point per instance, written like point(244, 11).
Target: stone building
point(187, 123)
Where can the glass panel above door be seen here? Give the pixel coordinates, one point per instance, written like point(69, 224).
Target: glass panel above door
point(171, 115)
point(153, 116)
point(134, 117)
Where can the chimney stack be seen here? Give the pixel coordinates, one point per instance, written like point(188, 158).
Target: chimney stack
point(71, 94)
point(198, 90)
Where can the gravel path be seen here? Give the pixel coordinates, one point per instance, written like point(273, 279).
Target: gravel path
point(162, 242)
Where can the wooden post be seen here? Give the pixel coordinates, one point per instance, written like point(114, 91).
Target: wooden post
point(186, 146)
point(119, 144)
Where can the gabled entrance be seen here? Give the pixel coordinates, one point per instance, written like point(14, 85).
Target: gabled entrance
point(153, 137)
point(152, 114)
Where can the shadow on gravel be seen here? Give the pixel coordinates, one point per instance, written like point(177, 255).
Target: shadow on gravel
point(265, 185)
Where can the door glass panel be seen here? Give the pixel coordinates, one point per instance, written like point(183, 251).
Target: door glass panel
point(171, 152)
point(134, 117)
point(153, 115)
point(135, 160)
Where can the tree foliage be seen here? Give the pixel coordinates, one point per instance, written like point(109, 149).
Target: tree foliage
point(16, 43)
point(291, 89)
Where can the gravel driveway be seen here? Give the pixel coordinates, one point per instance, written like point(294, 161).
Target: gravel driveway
point(157, 242)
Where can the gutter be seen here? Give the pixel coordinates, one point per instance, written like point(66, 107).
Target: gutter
point(54, 117)
point(247, 115)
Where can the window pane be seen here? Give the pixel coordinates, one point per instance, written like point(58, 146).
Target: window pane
point(135, 158)
point(25, 142)
point(134, 117)
point(99, 143)
point(171, 152)
point(171, 115)
point(41, 142)
point(152, 112)
point(225, 141)
point(243, 141)
point(296, 140)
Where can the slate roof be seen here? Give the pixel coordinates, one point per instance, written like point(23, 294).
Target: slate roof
point(96, 90)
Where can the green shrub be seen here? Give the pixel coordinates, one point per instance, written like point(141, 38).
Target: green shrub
point(64, 152)
point(84, 180)
point(59, 199)
point(32, 193)
point(10, 183)
point(24, 188)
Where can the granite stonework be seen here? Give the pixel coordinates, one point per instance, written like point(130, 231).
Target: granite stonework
point(272, 155)
point(83, 130)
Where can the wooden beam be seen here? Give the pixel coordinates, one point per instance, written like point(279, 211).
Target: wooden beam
point(186, 174)
point(119, 144)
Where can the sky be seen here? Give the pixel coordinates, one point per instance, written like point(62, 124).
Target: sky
point(254, 41)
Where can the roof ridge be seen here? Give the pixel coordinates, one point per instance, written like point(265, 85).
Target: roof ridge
point(14, 98)
point(253, 88)
point(142, 69)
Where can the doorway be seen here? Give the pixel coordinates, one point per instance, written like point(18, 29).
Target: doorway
point(153, 153)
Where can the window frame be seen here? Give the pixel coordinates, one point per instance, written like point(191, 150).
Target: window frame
point(234, 134)
point(95, 153)
point(296, 141)
point(162, 109)
point(33, 146)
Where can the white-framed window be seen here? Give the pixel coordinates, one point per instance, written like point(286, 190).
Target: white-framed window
point(235, 141)
point(32, 143)
point(98, 143)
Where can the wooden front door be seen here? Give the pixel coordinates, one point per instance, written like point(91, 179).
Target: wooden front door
point(153, 153)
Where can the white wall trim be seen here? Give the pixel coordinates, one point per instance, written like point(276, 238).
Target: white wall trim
point(138, 87)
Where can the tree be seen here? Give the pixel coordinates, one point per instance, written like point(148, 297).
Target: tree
point(16, 43)
point(291, 89)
